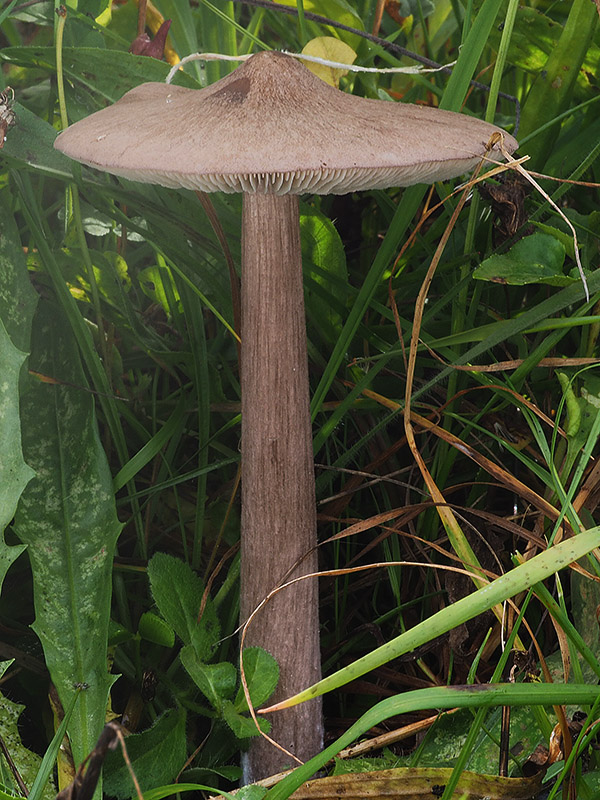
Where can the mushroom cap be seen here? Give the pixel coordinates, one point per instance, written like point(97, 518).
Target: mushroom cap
point(273, 126)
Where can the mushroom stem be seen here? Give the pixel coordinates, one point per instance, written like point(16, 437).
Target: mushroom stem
point(278, 491)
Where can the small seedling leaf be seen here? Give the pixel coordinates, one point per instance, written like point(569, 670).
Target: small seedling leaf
point(242, 727)
point(262, 673)
point(155, 629)
point(217, 682)
point(177, 591)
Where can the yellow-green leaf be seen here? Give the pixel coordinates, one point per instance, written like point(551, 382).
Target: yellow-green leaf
point(329, 49)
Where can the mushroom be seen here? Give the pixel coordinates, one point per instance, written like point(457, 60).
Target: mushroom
point(273, 130)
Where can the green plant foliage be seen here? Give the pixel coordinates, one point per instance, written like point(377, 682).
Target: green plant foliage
point(154, 629)
point(177, 592)
point(538, 258)
point(67, 518)
point(17, 303)
point(156, 755)
point(15, 474)
point(27, 763)
point(217, 682)
point(324, 263)
point(262, 674)
point(242, 727)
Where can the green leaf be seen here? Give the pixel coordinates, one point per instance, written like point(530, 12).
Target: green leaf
point(550, 93)
point(243, 727)
point(538, 258)
point(324, 262)
point(155, 629)
point(152, 280)
point(217, 682)
point(15, 474)
point(17, 304)
point(26, 762)
point(67, 518)
point(262, 673)
point(17, 297)
point(46, 767)
point(156, 756)
point(177, 591)
point(30, 144)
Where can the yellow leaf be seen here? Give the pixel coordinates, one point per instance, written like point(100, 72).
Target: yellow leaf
point(330, 49)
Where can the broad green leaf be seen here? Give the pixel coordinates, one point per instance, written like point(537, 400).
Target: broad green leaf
point(216, 681)
point(446, 738)
point(177, 591)
point(538, 258)
point(17, 297)
point(17, 304)
point(251, 792)
point(15, 474)
point(156, 755)
point(243, 727)
point(155, 629)
point(262, 673)
point(67, 518)
point(30, 144)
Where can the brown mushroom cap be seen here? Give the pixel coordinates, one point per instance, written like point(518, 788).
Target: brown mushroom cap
point(273, 126)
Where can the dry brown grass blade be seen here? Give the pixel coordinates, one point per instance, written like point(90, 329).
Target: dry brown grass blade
point(507, 366)
point(457, 538)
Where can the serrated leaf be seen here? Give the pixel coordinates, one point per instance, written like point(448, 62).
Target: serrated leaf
point(538, 258)
point(243, 727)
point(17, 303)
point(177, 591)
point(262, 673)
point(217, 682)
point(156, 755)
point(155, 629)
point(15, 474)
point(67, 518)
